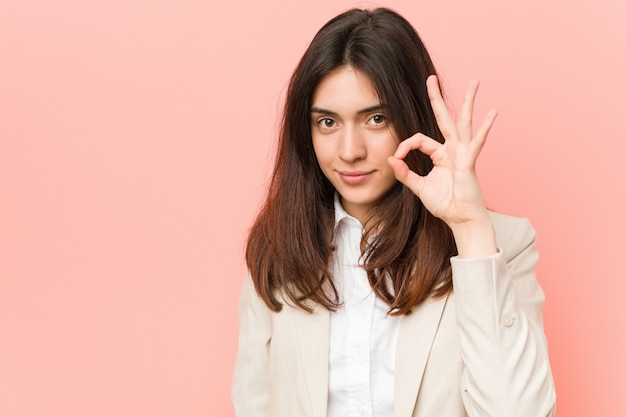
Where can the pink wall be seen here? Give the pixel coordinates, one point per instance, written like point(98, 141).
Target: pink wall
point(135, 140)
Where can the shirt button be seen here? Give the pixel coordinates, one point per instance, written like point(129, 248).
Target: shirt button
point(507, 320)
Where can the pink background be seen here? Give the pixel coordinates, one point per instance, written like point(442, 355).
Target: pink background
point(135, 141)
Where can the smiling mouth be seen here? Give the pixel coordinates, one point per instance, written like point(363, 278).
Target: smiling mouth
point(354, 178)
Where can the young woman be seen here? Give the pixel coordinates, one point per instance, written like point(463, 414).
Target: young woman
point(379, 283)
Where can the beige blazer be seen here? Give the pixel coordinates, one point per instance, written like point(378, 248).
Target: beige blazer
point(480, 351)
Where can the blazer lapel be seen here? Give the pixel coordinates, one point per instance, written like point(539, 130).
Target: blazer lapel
point(415, 338)
point(313, 333)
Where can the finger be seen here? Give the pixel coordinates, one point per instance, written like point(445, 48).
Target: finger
point(464, 125)
point(481, 134)
point(442, 114)
point(403, 174)
point(418, 141)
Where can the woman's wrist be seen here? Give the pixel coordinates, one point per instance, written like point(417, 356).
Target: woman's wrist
point(475, 238)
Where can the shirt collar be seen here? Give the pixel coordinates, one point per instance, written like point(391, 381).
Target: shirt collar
point(341, 214)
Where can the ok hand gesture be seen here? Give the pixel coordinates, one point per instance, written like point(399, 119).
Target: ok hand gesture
point(451, 191)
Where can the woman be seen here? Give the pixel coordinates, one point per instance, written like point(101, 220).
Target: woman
point(379, 283)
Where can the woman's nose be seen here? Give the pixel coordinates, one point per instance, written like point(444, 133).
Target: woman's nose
point(352, 145)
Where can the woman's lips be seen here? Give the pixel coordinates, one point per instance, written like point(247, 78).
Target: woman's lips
point(354, 177)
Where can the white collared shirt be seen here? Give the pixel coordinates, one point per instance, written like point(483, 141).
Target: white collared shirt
point(362, 336)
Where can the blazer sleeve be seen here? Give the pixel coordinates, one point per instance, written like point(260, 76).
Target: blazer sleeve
point(250, 385)
point(498, 304)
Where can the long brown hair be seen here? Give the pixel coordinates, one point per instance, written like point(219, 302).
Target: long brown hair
point(290, 244)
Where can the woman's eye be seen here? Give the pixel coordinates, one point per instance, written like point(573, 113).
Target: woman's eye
point(377, 119)
point(326, 123)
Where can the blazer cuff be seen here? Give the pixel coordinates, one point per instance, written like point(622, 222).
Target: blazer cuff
point(485, 302)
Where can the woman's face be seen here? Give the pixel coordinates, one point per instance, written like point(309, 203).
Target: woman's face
point(352, 139)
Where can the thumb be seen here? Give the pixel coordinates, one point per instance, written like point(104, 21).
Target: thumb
point(403, 174)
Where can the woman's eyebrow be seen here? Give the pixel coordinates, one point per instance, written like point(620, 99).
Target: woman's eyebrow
point(322, 111)
point(370, 109)
point(374, 108)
